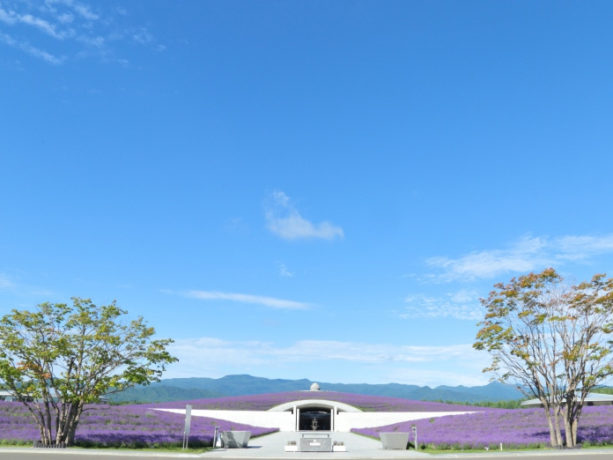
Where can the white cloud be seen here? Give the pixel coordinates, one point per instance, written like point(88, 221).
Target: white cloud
point(213, 356)
point(42, 25)
point(11, 18)
point(142, 36)
point(97, 42)
point(527, 254)
point(77, 28)
point(583, 247)
point(331, 361)
point(271, 302)
point(65, 18)
point(31, 50)
point(7, 17)
point(463, 304)
point(80, 8)
point(85, 11)
point(5, 282)
point(368, 352)
point(434, 377)
point(284, 220)
point(284, 271)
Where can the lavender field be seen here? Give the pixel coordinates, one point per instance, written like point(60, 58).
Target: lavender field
point(512, 427)
point(365, 402)
point(120, 426)
point(142, 426)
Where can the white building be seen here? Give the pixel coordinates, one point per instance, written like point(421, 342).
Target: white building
point(314, 415)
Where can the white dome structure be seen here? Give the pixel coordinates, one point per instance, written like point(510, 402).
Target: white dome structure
point(315, 386)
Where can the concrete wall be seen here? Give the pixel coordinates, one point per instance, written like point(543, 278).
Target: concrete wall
point(286, 421)
point(345, 421)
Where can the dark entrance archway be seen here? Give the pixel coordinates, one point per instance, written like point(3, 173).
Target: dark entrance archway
point(315, 419)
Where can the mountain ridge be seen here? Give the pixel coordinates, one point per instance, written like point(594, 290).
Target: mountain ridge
point(176, 389)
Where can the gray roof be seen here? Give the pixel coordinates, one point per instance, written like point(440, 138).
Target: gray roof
point(592, 399)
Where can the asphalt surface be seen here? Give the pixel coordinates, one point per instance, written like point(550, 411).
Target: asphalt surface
point(31, 454)
point(38, 454)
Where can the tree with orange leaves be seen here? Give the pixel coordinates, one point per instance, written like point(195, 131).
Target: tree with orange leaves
point(552, 340)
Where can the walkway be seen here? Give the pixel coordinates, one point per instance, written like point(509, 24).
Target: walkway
point(272, 447)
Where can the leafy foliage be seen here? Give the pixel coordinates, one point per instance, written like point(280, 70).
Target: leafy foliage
point(60, 357)
point(552, 340)
point(510, 404)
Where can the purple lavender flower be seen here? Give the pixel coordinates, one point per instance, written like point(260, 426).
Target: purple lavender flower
point(130, 426)
point(511, 427)
point(364, 402)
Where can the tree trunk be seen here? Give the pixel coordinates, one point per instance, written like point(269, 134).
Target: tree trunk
point(552, 436)
point(556, 427)
point(571, 425)
point(571, 419)
point(45, 435)
point(66, 427)
point(555, 437)
point(44, 428)
point(60, 423)
point(72, 429)
point(570, 442)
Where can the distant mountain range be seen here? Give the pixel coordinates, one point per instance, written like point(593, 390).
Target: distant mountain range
point(238, 385)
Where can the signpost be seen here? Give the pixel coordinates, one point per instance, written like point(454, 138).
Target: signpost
point(216, 437)
point(415, 434)
point(188, 421)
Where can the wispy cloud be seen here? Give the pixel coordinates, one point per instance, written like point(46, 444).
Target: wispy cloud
point(24, 290)
point(580, 247)
point(323, 359)
point(31, 50)
point(284, 220)
point(284, 271)
point(463, 304)
point(75, 28)
point(240, 352)
point(5, 283)
point(63, 7)
point(434, 377)
point(11, 17)
point(326, 360)
point(142, 36)
point(368, 352)
point(527, 254)
point(271, 302)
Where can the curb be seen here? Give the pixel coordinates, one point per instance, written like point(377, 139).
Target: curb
point(96, 452)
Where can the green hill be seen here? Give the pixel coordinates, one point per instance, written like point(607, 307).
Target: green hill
point(237, 385)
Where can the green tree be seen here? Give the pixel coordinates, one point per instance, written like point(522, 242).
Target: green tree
point(552, 340)
point(60, 357)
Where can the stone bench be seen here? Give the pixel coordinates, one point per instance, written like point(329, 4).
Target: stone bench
point(394, 440)
point(232, 439)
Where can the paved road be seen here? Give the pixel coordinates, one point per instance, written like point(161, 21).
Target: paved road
point(29, 454)
point(74, 455)
point(271, 447)
point(70, 454)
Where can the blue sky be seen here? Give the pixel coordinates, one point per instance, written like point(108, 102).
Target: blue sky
point(303, 189)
